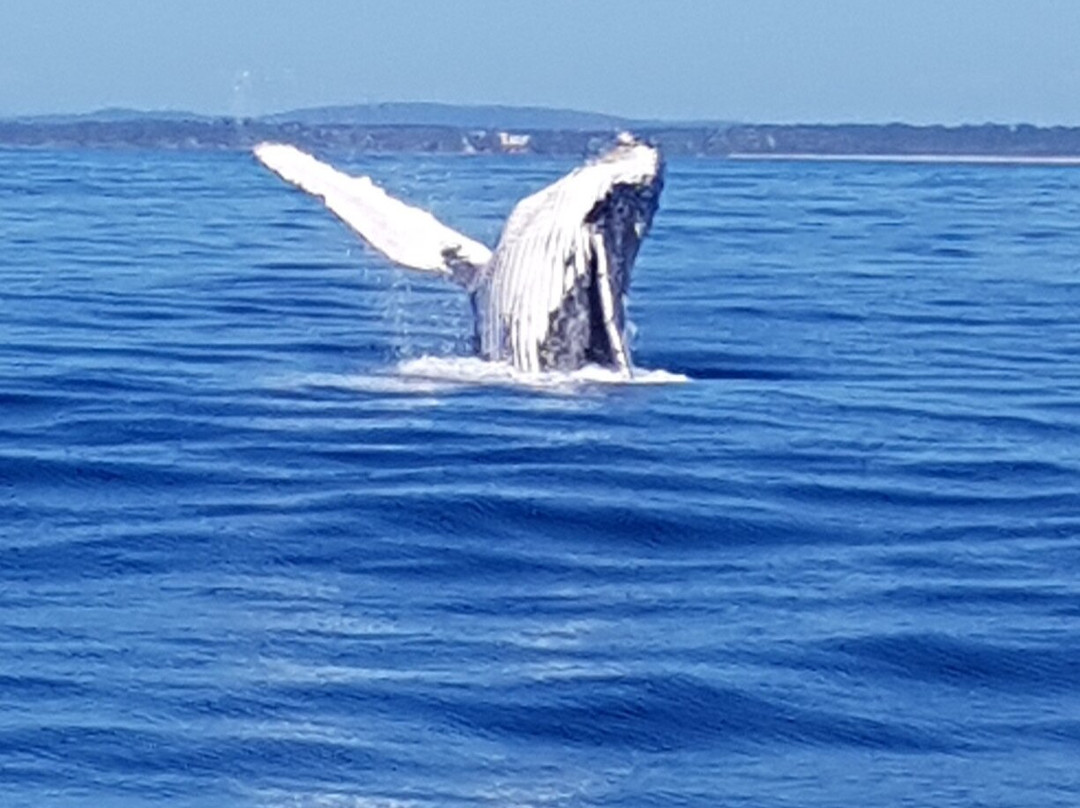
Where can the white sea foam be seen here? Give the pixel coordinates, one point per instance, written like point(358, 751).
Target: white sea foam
point(470, 371)
point(429, 375)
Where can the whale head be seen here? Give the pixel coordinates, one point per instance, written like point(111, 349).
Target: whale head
point(554, 293)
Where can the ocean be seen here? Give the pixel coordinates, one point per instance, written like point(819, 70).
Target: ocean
point(270, 537)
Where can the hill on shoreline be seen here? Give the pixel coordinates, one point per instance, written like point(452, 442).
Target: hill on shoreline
point(451, 129)
point(464, 116)
point(405, 113)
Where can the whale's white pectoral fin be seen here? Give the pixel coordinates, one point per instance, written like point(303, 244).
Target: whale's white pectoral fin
point(606, 294)
point(406, 235)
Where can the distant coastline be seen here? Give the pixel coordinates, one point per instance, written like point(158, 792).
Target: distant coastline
point(968, 159)
point(444, 129)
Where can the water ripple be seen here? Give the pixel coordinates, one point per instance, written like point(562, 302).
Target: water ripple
point(270, 537)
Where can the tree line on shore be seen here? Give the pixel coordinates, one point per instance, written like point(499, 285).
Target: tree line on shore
point(760, 140)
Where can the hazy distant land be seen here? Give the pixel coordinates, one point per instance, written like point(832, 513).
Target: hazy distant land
point(441, 128)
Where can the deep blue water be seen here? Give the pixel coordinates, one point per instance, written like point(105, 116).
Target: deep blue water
point(265, 542)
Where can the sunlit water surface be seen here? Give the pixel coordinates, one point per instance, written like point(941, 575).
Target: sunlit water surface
point(269, 537)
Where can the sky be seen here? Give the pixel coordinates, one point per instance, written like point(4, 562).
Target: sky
point(761, 61)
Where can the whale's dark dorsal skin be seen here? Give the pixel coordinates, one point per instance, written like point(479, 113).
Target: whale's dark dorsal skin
point(551, 295)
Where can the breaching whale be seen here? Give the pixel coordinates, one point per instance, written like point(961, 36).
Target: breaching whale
point(551, 296)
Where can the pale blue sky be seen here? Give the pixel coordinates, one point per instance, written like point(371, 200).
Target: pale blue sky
point(920, 61)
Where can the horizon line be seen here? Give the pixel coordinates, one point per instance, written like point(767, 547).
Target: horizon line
point(616, 118)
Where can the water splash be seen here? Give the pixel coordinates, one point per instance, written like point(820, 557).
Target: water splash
point(470, 371)
point(428, 375)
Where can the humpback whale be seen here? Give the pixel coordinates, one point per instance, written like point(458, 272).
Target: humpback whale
point(551, 295)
